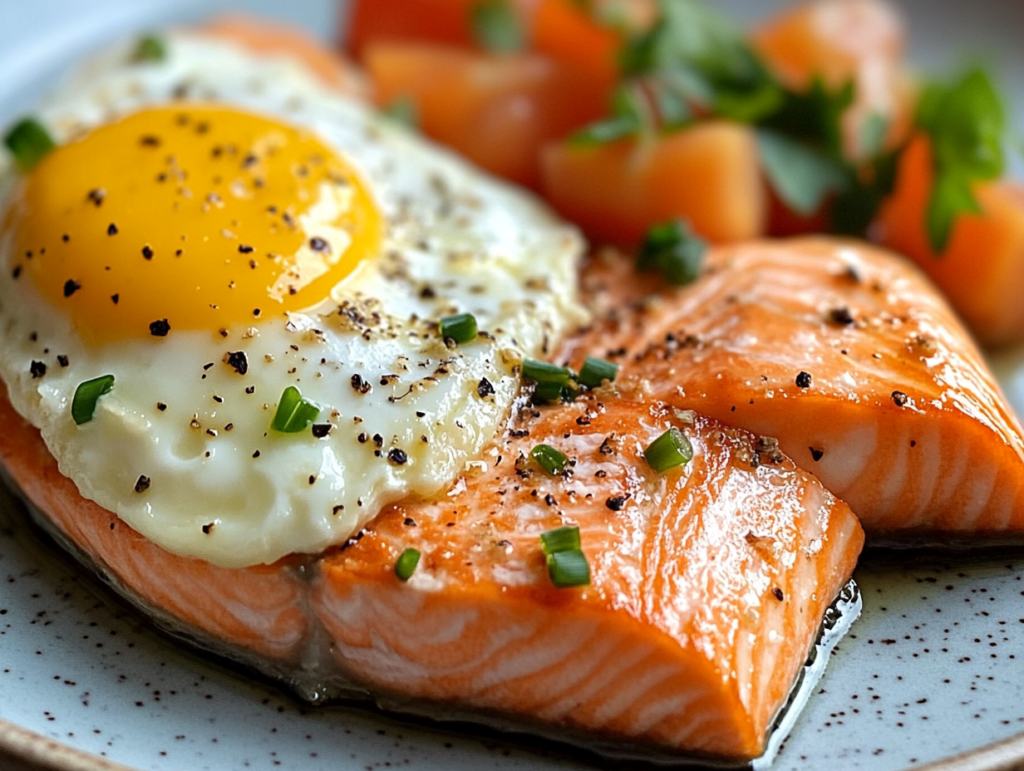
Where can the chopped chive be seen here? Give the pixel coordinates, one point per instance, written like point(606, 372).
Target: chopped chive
point(29, 142)
point(402, 110)
point(569, 569)
point(548, 392)
point(549, 459)
point(406, 564)
point(496, 27)
point(461, 328)
point(294, 413)
point(595, 371)
point(672, 248)
point(565, 538)
point(543, 372)
point(150, 49)
point(669, 450)
point(83, 404)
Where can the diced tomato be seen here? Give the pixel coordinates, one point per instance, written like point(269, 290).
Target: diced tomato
point(497, 111)
point(274, 37)
point(982, 269)
point(707, 174)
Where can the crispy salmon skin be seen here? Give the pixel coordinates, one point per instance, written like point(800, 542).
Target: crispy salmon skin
point(847, 355)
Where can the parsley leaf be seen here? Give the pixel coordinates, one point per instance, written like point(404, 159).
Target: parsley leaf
point(802, 175)
point(496, 27)
point(966, 123)
point(630, 115)
point(675, 250)
point(702, 58)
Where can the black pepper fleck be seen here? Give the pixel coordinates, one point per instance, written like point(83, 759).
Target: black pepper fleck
point(900, 399)
point(320, 430)
point(159, 328)
point(238, 361)
point(147, 252)
point(142, 483)
point(111, 229)
point(38, 369)
point(318, 244)
point(804, 380)
point(62, 360)
point(484, 388)
point(616, 502)
point(778, 594)
point(397, 456)
point(70, 287)
point(816, 453)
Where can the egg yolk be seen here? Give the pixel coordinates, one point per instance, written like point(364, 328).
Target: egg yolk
point(190, 217)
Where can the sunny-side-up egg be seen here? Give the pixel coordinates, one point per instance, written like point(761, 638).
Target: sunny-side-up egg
point(215, 228)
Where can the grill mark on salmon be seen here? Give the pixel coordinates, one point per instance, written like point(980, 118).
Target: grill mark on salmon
point(900, 416)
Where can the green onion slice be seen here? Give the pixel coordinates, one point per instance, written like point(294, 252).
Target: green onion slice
point(83, 405)
point(406, 564)
point(569, 569)
point(29, 142)
point(294, 413)
point(549, 459)
point(150, 49)
point(565, 538)
point(672, 248)
point(669, 450)
point(496, 27)
point(548, 392)
point(595, 371)
point(543, 372)
point(461, 328)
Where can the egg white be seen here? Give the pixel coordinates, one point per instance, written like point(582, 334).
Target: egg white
point(223, 486)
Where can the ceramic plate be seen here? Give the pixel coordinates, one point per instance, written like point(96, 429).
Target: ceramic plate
point(933, 668)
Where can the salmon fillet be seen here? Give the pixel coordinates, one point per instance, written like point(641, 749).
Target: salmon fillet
point(846, 354)
point(709, 583)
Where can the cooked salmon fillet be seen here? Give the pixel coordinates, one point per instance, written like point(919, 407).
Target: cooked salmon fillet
point(709, 582)
point(848, 356)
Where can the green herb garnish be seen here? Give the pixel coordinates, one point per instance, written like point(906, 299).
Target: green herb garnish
point(550, 459)
point(88, 393)
point(668, 451)
point(567, 564)
point(966, 123)
point(294, 413)
point(496, 27)
point(595, 371)
point(29, 142)
point(406, 564)
point(150, 49)
point(460, 328)
point(673, 249)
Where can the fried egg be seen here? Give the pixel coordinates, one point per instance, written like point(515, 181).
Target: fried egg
point(215, 229)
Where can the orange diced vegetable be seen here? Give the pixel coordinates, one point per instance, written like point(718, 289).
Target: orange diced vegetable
point(264, 36)
point(707, 174)
point(982, 270)
point(497, 111)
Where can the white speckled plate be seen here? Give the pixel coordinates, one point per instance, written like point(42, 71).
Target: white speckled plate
point(935, 666)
